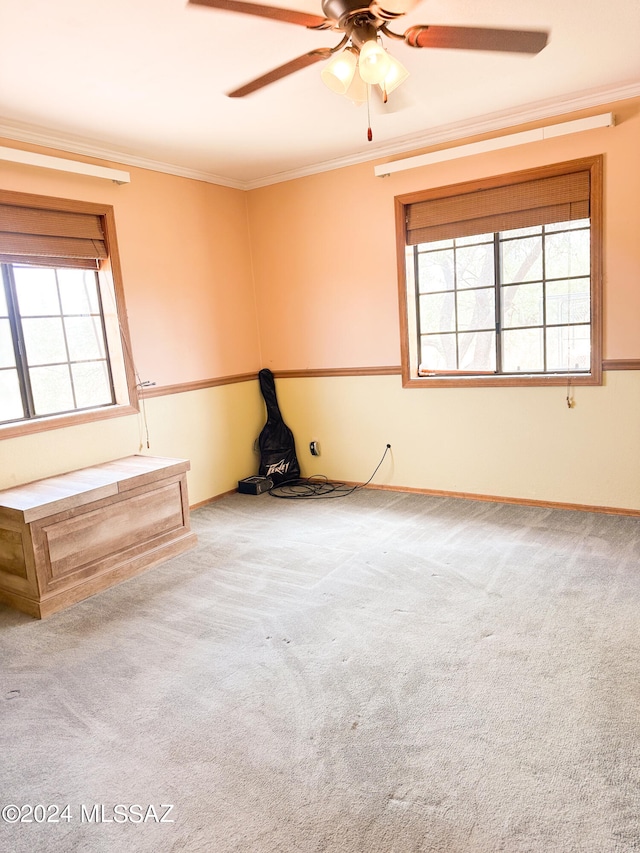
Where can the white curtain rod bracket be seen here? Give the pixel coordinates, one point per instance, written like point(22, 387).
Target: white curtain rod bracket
point(45, 161)
point(495, 144)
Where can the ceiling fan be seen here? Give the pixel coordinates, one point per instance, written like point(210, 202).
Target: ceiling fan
point(363, 60)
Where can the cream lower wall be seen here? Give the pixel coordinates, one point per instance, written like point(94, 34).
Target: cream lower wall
point(214, 428)
point(506, 442)
point(522, 443)
point(45, 454)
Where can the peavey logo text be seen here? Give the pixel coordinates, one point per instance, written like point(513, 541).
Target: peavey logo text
point(278, 468)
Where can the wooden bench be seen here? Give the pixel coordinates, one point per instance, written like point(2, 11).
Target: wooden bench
point(66, 538)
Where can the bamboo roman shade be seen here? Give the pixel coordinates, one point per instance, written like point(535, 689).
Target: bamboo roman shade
point(58, 238)
point(519, 205)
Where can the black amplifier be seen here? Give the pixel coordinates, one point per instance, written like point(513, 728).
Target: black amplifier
point(254, 485)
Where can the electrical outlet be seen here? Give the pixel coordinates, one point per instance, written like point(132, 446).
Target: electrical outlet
point(314, 448)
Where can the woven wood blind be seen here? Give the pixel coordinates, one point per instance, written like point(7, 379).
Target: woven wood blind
point(520, 205)
point(58, 238)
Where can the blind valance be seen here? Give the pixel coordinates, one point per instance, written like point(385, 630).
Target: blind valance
point(35, 235)
point(557, 198)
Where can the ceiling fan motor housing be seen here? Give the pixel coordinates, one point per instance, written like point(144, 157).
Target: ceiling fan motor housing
point(353, 18)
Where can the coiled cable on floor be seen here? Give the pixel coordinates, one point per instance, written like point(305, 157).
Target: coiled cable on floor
point(319, 486)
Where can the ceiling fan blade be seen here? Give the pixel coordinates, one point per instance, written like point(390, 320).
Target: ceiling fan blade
point(476, 38)
point(282, 71)
point(290, 16)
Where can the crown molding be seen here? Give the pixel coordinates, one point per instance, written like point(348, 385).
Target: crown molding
point(491, 123)
point(91, 148)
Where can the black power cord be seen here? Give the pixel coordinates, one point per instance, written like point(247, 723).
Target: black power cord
point(319, 486)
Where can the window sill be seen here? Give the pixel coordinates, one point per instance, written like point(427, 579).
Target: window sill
point(19, 428)
point(503, 381)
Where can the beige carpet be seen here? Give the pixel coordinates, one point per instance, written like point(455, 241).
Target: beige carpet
point(384, 673)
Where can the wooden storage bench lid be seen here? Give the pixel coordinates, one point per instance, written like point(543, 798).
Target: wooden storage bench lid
point(55, 494)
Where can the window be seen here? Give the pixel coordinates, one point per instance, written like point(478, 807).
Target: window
point(63, 334)
point(500, 279)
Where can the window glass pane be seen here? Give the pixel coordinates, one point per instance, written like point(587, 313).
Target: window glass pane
point(569, 301)
point(78, 291)
point(436, 244)
point(437, 313)
point(37, 291)
point(7, 355)
point(51, 388)
point(522, 351)
point(519, 300)
point(10, 400)
point(3, 300)
point(567, 254)
point(521, 260)
point(522, 305)
point(477, 351)
point(476, 309)
point(569, 348)
point(91, 383)
point(473, 239)
point(521, 232)
point(84, 338)
point(474, 266)
point(435, 271)
point(566, 226)
point(438, 352)
point(44, 340)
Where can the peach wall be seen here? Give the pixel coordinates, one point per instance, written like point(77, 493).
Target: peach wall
point(622, 237)
point(187, 270)
point(325, 258)
point(325, 271)
point(186, 265)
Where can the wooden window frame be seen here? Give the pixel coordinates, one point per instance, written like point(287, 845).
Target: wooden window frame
point(115, 319)
point(406, 286)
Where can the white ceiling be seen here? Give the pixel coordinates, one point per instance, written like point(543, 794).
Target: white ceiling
point(144, 80)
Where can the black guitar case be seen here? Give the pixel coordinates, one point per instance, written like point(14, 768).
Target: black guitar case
point(278, 459)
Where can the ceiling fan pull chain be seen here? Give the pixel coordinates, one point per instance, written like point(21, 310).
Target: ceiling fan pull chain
point(369, 131)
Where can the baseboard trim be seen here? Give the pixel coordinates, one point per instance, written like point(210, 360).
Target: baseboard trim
point(607, 510)
point(213, 499)
point(469, 496)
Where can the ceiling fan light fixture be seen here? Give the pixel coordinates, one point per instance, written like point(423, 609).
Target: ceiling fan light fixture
point(396, 75)
point(374, 62)
point(340, 71)
point(357, 91)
